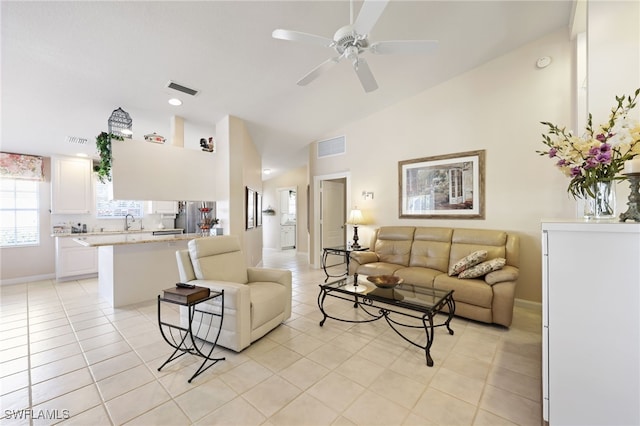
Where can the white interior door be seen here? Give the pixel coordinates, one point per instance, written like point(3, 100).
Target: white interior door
point(333, 216)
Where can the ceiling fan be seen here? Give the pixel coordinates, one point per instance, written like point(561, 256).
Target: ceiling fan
point(352, 40)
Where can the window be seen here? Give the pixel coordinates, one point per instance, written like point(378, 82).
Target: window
point(107, 208)
point(19, 214)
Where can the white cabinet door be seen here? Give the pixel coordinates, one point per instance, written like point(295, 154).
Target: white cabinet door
point(592, 351)
point(287, 236)
point(163, 207)
point(72, 259)
point(71, 185)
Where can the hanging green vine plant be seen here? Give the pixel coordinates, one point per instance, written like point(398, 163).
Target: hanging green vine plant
point(103, 143)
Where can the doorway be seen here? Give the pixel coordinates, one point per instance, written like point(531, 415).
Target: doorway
point(333, 219)
point(330, 206)
point(288, 206)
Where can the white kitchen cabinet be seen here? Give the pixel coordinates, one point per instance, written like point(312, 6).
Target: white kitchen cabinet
point(591, 323)
point(74, 260)
point(287, 236)
point(71, 185)
point(163, 207)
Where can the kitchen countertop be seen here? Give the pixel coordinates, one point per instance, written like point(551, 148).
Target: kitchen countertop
point(109, 233)
point(110, 239)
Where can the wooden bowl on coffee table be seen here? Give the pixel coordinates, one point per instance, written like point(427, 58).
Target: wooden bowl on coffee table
point(385, 281)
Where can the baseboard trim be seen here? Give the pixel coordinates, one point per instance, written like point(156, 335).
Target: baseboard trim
point(528, 304)
point(22, 280)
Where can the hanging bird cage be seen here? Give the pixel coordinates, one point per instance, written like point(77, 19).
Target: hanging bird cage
point(120, 123)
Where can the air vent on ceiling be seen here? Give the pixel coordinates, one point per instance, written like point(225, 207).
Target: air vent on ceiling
point(333, 146)
point(77, 140)
point(180, 88)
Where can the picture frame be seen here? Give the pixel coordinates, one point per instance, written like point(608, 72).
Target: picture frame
point(258, 209)
point(450, 186)
point(251, 208)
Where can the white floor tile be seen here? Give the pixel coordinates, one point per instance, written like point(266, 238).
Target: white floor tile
point(101, 365)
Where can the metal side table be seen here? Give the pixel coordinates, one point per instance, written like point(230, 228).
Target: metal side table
point(338, 251)
point(183, 339)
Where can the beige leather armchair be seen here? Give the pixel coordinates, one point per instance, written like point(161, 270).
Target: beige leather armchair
point(256, 299)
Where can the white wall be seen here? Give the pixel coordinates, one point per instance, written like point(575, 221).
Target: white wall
point(496, 107)
point(613, 63)
point(244, 169)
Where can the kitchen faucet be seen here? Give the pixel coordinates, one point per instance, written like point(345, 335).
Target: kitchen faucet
point(126, 221)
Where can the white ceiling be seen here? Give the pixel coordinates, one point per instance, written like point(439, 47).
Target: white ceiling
point(67, 65)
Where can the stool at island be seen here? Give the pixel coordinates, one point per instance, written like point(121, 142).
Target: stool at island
point(181, 336)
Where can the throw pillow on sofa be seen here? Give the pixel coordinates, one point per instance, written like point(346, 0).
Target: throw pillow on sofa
point(483, 268)
point(467, 262)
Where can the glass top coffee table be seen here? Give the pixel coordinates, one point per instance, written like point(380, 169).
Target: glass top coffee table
point(404, 306)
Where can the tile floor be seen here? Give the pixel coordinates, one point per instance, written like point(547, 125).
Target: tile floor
point(66, 357)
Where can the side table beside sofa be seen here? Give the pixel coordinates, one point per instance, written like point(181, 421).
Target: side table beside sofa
point(423, 256)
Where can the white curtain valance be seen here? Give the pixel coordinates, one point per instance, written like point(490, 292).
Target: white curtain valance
point(21, 166)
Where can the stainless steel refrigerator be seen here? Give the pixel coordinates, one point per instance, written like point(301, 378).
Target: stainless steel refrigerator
point(190, 214)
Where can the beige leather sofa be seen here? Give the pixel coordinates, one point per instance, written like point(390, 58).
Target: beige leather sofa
point(256, 300)
point(422, 256)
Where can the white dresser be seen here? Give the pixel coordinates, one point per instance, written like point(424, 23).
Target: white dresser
point(591, 323)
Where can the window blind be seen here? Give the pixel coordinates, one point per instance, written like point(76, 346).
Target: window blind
point(21, 166)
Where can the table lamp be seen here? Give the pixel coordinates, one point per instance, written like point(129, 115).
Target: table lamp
point(355, 219)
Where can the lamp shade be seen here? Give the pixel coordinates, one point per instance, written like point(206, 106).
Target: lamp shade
point(355, 217)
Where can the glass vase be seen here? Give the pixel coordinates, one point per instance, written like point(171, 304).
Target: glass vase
point(603, 204)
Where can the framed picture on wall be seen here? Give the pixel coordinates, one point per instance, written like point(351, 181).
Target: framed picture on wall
point(447, 186)
point(258, 209)
point(250, 201)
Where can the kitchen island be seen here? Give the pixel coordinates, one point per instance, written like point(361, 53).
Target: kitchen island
point(133, 268)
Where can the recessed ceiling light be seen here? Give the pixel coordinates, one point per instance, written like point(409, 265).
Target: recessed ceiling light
point(175, 101)
point(267, 171)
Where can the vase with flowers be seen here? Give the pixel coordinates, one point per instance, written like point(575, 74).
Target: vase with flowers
point(594, 160)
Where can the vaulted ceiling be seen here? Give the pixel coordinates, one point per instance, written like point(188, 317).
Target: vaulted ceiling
point(67, 65)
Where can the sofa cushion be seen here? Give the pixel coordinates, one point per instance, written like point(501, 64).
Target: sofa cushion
point(431, 247)
point(378, 268)
point(393, 244)
point(465, 241)
point(472, 291)
point(467, 262)
point(483, 268)
point(267, 302)
point(421, 277)
point(390, 251)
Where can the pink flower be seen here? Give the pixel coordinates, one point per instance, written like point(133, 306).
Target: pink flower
point(591, 163)
point(604, 157)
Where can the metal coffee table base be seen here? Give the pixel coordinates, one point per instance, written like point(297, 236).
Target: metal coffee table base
point(377, 309)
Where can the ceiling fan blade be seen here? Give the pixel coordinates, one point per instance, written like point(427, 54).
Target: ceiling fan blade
point(369, 14)
point(317, 71)
point(301, 37)
point(365, 75)
point(404, 47)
